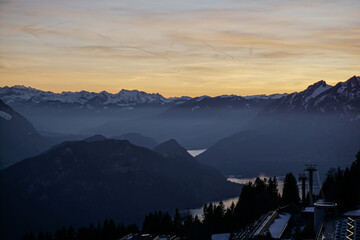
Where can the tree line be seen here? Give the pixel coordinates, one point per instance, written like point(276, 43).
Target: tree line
point(255, 200)
point(343, 186)
point(106, 230)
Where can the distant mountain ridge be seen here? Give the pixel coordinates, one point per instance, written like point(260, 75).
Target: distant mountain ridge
point(343, 98)
point(139, 140)
point(320, 125)
point(122, 98)
point(315, 98)
point(196, 122)
point(22, 94)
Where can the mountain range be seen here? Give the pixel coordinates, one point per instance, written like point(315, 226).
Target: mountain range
point(191, 121)
point(320, 125)
point(105, 176)
point(197, 123)
point(343, 98)
point(18, 94)
point(125, 98)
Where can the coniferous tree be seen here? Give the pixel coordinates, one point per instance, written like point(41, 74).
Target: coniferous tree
point(71, 234)
point(343, 187)
point(60, 234)
point(29, 236)
point(48, 236)
point(177, 222)
point(290, 190)
point(120, 230)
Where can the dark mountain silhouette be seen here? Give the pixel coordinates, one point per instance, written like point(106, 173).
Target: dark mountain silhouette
point(172, 148)
point(83, 182)
point(287, 143)
point(95, 138)
point(139, 140)
point(18, 138)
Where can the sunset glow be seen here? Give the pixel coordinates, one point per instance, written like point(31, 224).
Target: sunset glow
point(178, 47)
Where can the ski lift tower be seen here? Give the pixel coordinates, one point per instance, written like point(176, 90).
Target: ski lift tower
point(311, 168)
point(303, 178)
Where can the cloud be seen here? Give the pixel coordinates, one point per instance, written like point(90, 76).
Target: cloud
point(218, 46)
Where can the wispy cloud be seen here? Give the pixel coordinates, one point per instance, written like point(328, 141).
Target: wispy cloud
point(179, 47)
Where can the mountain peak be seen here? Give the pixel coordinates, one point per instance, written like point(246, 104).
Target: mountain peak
point(23, 87)
point(171, 148)
point(320, 83)
point(95, 138)
point(316, 89)
point(139, 140)
point(354, 80)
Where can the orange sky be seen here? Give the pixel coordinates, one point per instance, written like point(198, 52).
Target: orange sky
point(178, 47)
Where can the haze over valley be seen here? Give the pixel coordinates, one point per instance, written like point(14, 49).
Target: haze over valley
point(193, 120)
point(53, 164)
point(235, 130)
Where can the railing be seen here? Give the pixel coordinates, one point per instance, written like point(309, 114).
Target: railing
point(260, 224)
point(320, 230)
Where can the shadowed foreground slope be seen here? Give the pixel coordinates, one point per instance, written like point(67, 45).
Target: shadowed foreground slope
point(82, 182)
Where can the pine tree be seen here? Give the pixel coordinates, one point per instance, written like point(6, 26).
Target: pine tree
point(177, 222)
point(41, 236)
point(290, 190)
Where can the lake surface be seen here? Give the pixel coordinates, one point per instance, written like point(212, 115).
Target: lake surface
point(227, 202)
point(196, 152)
point(245, 180)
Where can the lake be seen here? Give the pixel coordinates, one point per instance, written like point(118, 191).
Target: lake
point(227, 202)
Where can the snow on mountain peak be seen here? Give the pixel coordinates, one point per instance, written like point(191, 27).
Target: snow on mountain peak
point(315, 90)
point(23, 87)
point(264, 96)
point(198, 99)
point(27, 94)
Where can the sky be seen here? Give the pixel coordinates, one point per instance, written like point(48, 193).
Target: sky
point(187, 47)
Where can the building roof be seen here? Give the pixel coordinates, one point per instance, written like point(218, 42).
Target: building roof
point(309, 210)
point(353, 213)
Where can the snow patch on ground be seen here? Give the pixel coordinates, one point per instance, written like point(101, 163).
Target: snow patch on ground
point(318, 91)
point(262, 225)
point(279, 225)
point(5, 115)
point(220, 236)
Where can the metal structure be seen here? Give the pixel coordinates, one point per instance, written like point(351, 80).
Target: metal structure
point(350, 228)
point(303, 178)
point(311, 169)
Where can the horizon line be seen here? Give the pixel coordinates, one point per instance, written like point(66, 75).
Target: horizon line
point(232, 94)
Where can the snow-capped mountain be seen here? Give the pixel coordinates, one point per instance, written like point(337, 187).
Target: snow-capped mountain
point(344, 97)
point(320, 97)
point(21, 94)
point(266, 97)
point(299, 100)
